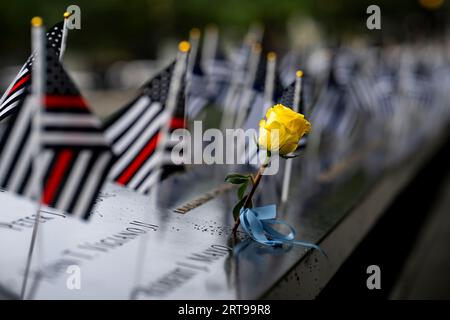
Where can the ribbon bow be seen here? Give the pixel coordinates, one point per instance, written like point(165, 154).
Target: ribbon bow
point(257, 223)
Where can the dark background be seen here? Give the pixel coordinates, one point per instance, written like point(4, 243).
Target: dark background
point(118, 29)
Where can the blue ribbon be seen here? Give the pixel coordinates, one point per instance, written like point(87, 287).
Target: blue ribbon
point(257, 223)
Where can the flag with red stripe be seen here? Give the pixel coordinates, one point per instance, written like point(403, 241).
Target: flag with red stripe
point(74, 156)
point(135, 130)
point(16, 92)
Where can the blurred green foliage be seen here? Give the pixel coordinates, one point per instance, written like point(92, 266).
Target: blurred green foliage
point(120, 29)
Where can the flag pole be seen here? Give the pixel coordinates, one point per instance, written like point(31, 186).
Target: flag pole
point(269, 87)
point(255, 33)
point(269, 82)
point(208, 55)
point(194, 40)
point(288, 169)
point(64, 36)
point(233, 92)
point(244, 100)
point(209, 48)
point(172, 98)
point(246, 95)
point(181, 66)
point(37, 90)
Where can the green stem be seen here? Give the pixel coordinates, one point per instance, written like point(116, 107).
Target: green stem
point(250, 195)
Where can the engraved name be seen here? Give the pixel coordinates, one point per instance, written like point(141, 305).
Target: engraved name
point(204, 198)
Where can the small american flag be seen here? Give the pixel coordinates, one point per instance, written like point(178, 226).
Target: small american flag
point(75, 156)
point(16, 91)
point(135, 130)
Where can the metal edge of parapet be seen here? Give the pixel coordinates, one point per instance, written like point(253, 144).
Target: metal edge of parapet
point(313, 271)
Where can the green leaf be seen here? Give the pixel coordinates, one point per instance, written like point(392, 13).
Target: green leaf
point(250, 205)
point(242, 189)
point(239, 205)
point(237, 178)
point(237, 208)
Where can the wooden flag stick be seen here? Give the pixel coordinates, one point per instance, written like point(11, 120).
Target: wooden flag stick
point(269, 82)
point(245, 96)
point(64, 36)
point(255, 33)
point(37, 90)
point(288, 169)
point(226, 121)
point(269, 86)
point(208, 56)
point(194, 40)
point(174, 88)
point(172, 98)
point(234, 92)
point(209, 48)
point(246, 92)
point(236, 102)
point(181, 66)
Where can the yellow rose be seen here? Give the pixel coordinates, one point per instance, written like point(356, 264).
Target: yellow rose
point(282, 129)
